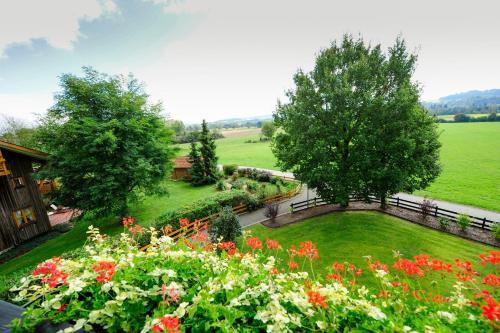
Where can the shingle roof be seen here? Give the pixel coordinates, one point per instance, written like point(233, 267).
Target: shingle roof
point(182, 162)
point(36, 154)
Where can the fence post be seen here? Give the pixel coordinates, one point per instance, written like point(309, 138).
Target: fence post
point(291, 206)
point(436, 210)
point(397, 202)
point(484, 223)
point(314, 201)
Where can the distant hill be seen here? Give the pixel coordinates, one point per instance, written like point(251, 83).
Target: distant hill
point(474, 101)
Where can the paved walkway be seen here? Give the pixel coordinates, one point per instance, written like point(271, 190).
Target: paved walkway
point(258, 216)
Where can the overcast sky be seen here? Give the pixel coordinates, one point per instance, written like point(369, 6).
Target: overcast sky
point(228, 58)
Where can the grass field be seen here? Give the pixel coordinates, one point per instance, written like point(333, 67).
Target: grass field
point(472, 115)
point(144, 212)
point(349, 236)
point(470, 157)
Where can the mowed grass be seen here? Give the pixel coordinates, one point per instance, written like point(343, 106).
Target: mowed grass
point(234, 150)
point(348, 236)
point(145, 212)
point(470, 157)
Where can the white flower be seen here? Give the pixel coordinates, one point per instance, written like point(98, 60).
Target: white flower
point(450, 317)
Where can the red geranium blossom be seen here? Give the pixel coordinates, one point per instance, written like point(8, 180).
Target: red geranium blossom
point(183, 222)
point(293, 265)
point(308, 249)
point(50, 273)
point(106, 270)
point(272, 244)
point(254, 243)
point(168, 324)
point(492, 280)
point(128, 221)
point(315, 298)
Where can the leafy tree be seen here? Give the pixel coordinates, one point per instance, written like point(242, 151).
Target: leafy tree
point(461, 118)
point(177, 126)
point(208, 155)
point(268, 129)
point(354, 124)
point(107, 143)
point(196, 171)
point(492, 116)
point(226, 226)
point(17, 132)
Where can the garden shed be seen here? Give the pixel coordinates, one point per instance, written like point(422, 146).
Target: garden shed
point(22, 211)
point(181, 168)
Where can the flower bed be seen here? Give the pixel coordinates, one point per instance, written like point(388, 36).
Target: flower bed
point(173, 287)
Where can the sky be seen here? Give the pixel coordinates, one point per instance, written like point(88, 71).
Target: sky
point(218, 59)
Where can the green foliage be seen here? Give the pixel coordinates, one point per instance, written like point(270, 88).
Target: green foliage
point(17, 132)
point(251, 186)
point(196, 171)
point(496, 231)
point(207, 206)
point(443, 222)
point(354, 124)
point(208, 156)
point(107, 143)
point(229, 169)
point(238, 184)
point(268, 129)
point(463, 221)
point(226, 227)
point(221, 185)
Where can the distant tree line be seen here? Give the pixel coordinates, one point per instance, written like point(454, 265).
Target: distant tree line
point(464, 118)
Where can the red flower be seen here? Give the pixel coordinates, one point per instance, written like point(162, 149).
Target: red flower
point(170, 325)
point(274, 271)
point(226, 246)
point(254, 243)
point(183, 222)
point(377, 265)
point(199, 236)
point(50, 273)
point(137, 229)
point(338, 267)
point(272, 244)
point(292, 251)
point(308, 249)
point(493, 258)
point(409, 267)
point(315, 298)
point(491, 310)
point(492, 280)
point(384, 294)
point(334, 277)
point(293, 265)
point(62, 308)
point(128, 221)
point(106, 270)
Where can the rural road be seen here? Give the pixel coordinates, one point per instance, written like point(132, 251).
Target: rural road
point(258, 216)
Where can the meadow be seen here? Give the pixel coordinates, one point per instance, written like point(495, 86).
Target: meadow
point(452, 116)
point(470, 157)
point(349, 236)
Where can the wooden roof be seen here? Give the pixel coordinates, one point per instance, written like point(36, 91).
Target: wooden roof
point(33, 153)
point(182, 162)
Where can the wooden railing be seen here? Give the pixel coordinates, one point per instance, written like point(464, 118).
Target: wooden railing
point(46, 186)
point(4, 171)
point(436, 211)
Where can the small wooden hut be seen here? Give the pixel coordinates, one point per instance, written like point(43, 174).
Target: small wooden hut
point(22, 212)
point(181, 168)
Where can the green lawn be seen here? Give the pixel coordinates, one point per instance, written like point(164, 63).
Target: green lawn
point(348, 236)
point(235, 151)
point(145, 212)
point(470, 156)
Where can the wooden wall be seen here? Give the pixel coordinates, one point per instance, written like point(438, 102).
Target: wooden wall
point(12, 199)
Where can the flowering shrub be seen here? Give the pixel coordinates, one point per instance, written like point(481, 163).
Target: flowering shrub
point(172, 287)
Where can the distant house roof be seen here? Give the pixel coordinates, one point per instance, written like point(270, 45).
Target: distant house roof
point(33, 153)
point(182, 162)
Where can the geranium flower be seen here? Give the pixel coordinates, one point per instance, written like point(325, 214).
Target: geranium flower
point(136, 229)
point(106, 270)
point(491, 310)
point(50, 274)
point(128, 221)
point(183, 222)
point(168, 324)
point(293, 265)
point(272, 244)
point(315, 298)
point(308, 249)
point(254, 243)
point(492, 280)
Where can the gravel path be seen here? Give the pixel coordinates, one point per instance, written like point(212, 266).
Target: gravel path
point(258, 216)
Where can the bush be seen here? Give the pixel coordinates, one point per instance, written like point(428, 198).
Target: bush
point(426, 207)
point(226, 227)
point(221, 185)
point(496, 231)
point(234, 176)
point(271, 210)
point(251, 186)
point(463, 221)
point(263, 176)
point(229, 169)
point(238, 184)
point(207, 206)
point(443, 222)
point(276, 180)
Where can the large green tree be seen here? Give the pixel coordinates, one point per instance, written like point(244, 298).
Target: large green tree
point(17, 132)
point(107, 143)
point(354, 125)
point(196, 171)
point(208, 154)
point(268, 129)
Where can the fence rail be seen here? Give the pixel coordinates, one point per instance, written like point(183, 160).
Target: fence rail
point(434, 210)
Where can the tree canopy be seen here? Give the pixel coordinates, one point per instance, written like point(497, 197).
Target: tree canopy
point(268, 129)
point(107, 143)
point(354, 124)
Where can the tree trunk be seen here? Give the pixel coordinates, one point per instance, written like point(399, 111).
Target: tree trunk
point(383, 200)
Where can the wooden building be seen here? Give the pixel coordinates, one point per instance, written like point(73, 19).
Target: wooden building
point(181, 168)
point(22, 212)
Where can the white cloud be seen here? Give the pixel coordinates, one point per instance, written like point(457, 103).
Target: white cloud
point(25, 106)
point(56, 21)
point(241, 56)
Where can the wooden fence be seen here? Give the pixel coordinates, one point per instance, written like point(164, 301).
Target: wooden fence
point(238, 210)
point(436, 211)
